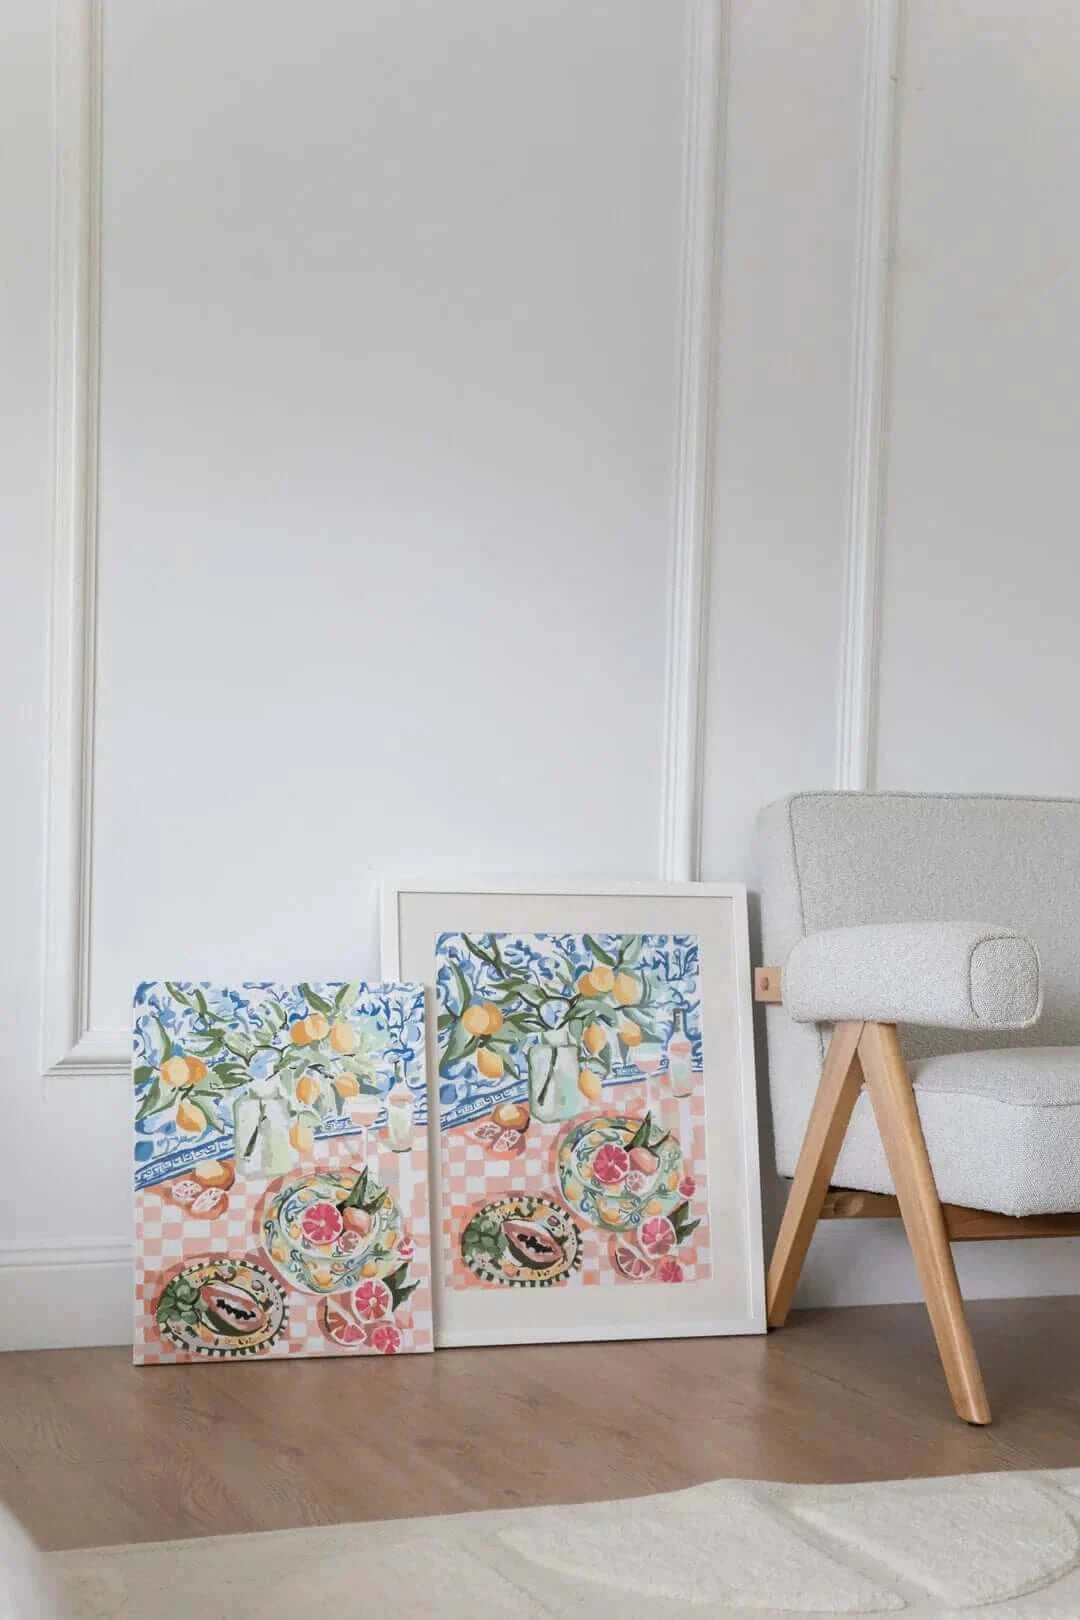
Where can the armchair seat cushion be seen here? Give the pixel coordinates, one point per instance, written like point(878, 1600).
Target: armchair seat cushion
point(1002, 1128)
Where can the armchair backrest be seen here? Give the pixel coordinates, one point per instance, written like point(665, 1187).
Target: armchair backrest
point(830, 860)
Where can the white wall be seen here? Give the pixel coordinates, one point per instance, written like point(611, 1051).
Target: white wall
point(407, 418)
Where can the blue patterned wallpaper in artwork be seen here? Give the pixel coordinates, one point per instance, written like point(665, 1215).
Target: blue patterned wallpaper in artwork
point(199, 1048)
point(540, 985)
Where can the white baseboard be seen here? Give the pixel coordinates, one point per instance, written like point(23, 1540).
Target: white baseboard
point(77, 1295)
point(869, 1263)
point(67, 1296)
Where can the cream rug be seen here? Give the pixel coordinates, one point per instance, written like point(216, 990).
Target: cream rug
point(995, 1545)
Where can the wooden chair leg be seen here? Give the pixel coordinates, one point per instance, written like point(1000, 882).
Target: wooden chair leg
point(841, 1081)
point(892, 1095)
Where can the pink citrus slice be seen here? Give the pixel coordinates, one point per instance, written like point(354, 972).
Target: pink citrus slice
point(339, 1327)
point(611, 1166)
point(657, 1236)
point(372, 1300)
point(687, 1187)
point(669, 1271)
point(386, 1339)
point(321, 1223)
point(630, 1262)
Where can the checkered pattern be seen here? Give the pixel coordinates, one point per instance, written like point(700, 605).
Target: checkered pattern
point(472, 1176)
point(167, 1238)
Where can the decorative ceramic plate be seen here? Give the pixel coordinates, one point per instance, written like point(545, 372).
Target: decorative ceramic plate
point(610, 1181)
point(523, 1241)
point(321, 1247)
point(221, 1307)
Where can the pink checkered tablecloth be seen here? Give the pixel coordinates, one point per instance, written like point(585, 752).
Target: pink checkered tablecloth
point(167, 1238)
point(473, 1176)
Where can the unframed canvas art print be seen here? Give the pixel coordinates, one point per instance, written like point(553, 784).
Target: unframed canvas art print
point(281, 1190)
point(572, 1111)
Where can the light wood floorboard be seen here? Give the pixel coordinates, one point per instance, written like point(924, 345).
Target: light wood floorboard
point(95, 1451)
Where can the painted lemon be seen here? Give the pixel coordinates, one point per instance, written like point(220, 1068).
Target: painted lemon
point(189, 1118)
point(307, 1089)
point(343, 1038)
point(590, 1085)
point(489, 1063)
point(595, 1039)
point(627, 989)
point(477, 1019)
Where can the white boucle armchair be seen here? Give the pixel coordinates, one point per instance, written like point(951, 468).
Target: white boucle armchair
point(907, 1066)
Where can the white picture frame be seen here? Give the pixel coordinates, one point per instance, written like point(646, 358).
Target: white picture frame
point(415, 914)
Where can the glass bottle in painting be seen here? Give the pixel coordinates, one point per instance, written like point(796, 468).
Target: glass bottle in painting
point(554, 1066)
point(399, 1114)
point(648, 1057)
point(261, 1133)
point(680, 1056)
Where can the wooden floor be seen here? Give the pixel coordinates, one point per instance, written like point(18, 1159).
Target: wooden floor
point(95, 1451)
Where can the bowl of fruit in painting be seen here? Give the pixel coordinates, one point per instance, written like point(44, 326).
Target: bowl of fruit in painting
point(327, 1230)
point(618, 1171)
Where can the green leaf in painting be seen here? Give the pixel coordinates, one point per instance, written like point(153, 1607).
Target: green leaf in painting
point(315, 1001)
point(461, 1044)
point(155, 1100)
point(512, 1030)
point(641, 1135)
point(462, 986)
point(485, 956)
point(680, 1220)
point(399, 1288)
point(598, 951)
point(533, 994)
point(168, 1050)
point(231, 1074)
point(206, 1045)
point(631, 950)
point(142, 1074)
point(346, 995)
point(239, 1045)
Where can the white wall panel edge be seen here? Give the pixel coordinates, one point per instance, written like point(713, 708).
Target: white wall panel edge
point(687, 626)
point(857, 699)
point(66, 1040)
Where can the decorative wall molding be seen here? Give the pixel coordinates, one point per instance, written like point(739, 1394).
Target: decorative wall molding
point(69, 1043)
point(857, 720)
point(38, 1257)
point(67, 1040)
point(687, 625)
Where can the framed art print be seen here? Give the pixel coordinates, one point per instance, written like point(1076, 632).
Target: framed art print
point(592, 1118)
point(280, 1168)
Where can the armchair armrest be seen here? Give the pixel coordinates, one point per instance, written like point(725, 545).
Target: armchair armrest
point(955, 975)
